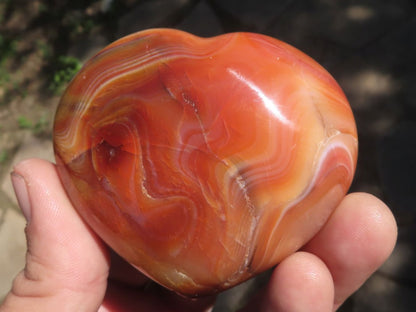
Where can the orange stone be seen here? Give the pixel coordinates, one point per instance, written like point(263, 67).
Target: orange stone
point(204, 161)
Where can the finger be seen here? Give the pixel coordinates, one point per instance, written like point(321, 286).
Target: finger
point(301, 282)
point(123, 298)
point(129, 290)
point(356, 240)
point(122, 271)
point(66, 264)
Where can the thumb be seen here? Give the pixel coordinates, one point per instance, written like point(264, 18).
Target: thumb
point(66, 264)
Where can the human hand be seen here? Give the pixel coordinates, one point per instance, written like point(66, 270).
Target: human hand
point(68, 266)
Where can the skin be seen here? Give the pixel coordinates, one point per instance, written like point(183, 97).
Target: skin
point(68, 266)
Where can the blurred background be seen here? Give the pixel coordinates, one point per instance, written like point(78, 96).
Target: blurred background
point(369, 46)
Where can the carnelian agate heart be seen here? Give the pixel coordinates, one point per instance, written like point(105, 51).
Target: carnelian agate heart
point(202, 161)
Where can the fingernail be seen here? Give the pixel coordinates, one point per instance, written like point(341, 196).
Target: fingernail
point(22, 195)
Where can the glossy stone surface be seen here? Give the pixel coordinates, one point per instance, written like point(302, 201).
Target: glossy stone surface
point(204, 161)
